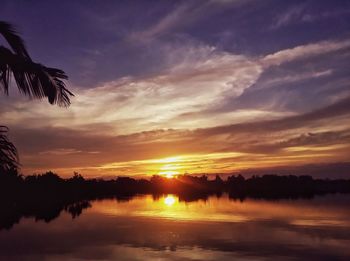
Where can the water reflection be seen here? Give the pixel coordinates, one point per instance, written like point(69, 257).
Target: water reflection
point(320, 211)
point(170, 200)
point(168, 228)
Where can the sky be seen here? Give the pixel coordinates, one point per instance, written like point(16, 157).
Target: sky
point(173, 87)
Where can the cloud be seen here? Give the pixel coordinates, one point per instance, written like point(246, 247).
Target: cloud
point(61, 151)
point(327, 137)
point(289, 16)
point(338, 109)
point(203, 78)
point(198, 80)
point(308, 17)
point(180, 16)
point(304, 51)
point(290, 140)
point(166, 23)
point(295, 78)
point(66, 151)
point(306, 13)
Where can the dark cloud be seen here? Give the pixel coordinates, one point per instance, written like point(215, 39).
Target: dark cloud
point(329, 137)
point(335, 170)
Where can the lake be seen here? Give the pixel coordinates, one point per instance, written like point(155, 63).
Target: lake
point(166, 228)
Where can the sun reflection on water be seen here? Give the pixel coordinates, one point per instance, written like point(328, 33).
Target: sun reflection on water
point(171, 207)
point(169, 200)
point(222, 209)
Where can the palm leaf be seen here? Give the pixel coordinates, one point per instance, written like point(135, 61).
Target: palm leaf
point(13, 39)
point(33, 79)
point(8, 152)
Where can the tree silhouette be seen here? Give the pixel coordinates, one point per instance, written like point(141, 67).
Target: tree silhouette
point(32, 79)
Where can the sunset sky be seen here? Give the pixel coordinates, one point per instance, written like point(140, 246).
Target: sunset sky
point(172, 87)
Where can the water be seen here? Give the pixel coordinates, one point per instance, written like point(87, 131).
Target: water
point(147, 228)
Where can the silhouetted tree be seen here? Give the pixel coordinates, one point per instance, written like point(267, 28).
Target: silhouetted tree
point(32, 79)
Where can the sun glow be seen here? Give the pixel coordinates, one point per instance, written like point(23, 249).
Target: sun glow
point(168, 160)
point(169, 174)
point(172, 166)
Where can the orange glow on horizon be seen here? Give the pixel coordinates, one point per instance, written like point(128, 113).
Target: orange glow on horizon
point(170, 167)
point(203, 163)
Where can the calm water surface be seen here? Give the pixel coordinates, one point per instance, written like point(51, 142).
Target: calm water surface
point(146, 228)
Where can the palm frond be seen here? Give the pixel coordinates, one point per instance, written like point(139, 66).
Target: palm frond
point(8, 152)
point(13, 39)
point(33, 79)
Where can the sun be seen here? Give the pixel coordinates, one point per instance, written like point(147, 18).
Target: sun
point(169, 174)
point(169, 167)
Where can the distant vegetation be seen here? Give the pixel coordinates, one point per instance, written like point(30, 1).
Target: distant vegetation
point(44, 196)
